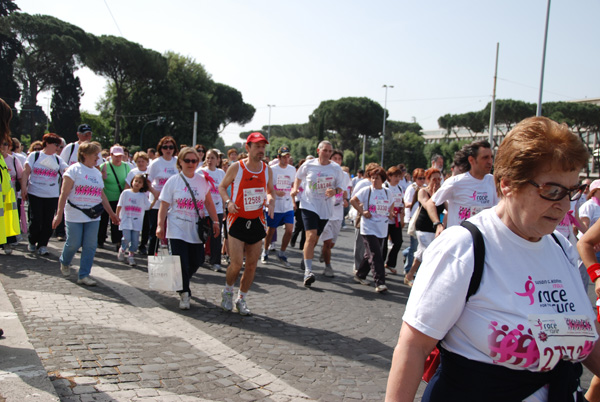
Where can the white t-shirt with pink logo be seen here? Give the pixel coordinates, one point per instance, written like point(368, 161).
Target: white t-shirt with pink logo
point(315, 180)
point(45, 174)
point(378, 202)
point(466, 196)
point(133, 206)
point(217, 175)
point(86, 191)
point(529, 312)
point(182, 216)
point(159, 172)
point(283, 179)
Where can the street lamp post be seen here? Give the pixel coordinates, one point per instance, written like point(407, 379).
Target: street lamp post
point(158, 120)
point(539, 105)
point(384, 119)
point(269, 131)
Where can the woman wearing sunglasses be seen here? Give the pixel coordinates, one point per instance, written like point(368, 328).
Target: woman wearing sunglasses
point(522, 335)
point(182, 200)
point(161, 169)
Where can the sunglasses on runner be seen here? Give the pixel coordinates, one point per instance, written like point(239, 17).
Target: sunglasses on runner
point(556, 192)
point(168, 147)
point(190, 160)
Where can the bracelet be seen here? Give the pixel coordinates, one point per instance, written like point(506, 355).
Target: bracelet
point(215, 222)
point(437, 223)
point(594, 271)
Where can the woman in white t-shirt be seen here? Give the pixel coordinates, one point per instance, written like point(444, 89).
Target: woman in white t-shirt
point(43, 171)
point(521, 335)
point(375, 205)
point(82, 188)
point(589, 212)
point(182, 198)
point(215, 176)
point(161, 169)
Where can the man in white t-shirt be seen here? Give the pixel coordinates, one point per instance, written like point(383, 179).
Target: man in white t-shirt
point(317, 180)
point(468, 193)
point(283, 178)
point(69, 152)
point(334, 224)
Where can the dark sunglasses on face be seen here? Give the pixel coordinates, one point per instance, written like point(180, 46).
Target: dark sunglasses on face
point(37, 149)
point(556, 192)
point(421, 178)
point(168, 147)
point(190, 160)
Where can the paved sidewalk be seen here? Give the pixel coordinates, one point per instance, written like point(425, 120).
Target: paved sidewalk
point(120, 341)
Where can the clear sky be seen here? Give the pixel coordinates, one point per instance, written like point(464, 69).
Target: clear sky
point(439, 55)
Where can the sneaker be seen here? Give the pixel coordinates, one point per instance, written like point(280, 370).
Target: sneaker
point(121, 254)
point(217, 268)
point(43, 251)
point(226, 300)
point(242, 308)
point(131, 261)
point(309, 279)
point(184, 303)
point(284, 260)
point(264, 258)
point(65, 270)
point(361, 281)
point(31, 248)
point(7, 249)
point(272, 248)
point(87, 281)
point(328, 271)
point(381, 288)
point(142, 251)
point(60, 238)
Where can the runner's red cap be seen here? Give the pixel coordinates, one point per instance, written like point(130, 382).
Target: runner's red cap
point(256, 137)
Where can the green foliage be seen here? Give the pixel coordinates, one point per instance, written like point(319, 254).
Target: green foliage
point(101, 128)
point(127, 64)
point(349, 158)
point(10, 48)
point(344, 120)
point(185, 89)
point(65, 105)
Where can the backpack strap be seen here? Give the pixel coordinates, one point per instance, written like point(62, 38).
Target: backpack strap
point(559, 244)
point(479, 250)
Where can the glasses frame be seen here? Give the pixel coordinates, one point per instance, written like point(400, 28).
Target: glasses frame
point(168, 147)
point(573, 193)
point(186, 160)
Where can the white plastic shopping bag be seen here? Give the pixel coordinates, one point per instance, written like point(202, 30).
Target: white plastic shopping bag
point(164, 272)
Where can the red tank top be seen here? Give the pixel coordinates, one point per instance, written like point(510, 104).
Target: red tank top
point(249, 192)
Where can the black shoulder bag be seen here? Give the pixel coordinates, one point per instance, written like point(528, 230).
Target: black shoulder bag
point(203, 223)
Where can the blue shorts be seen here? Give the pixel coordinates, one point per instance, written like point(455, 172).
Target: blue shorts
point(280, 218)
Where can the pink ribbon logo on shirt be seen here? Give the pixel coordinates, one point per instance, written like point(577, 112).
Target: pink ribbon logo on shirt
point(529, 290)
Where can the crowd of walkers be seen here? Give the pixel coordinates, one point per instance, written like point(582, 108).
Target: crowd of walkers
point(498, 289)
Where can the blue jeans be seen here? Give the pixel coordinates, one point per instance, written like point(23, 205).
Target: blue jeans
point(131, 240)
point(409, 253)
point(84, 235)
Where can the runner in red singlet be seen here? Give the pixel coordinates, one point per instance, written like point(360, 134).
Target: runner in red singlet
point(252, 182)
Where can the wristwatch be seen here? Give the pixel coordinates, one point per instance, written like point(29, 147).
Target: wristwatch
point(437, 223)
point(227, 203)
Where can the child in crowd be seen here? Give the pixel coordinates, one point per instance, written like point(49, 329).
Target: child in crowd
point(132, 205)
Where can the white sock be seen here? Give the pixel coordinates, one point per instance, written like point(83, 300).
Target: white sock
point(228, 288)
point(241, 295)
point(307, 267)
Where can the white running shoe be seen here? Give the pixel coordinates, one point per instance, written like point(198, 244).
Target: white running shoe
point(226, 300)
point(184, 303)
point(242, 308)
point(121, 254)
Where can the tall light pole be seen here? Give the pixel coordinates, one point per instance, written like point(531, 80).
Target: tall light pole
point(539, 105)
point(384, 119)
point(269, 130)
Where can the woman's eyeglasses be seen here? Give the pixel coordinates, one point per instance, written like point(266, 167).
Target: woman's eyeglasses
point(37, 149)
point(190, 160)
point(168, 147)
point(556, 192)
